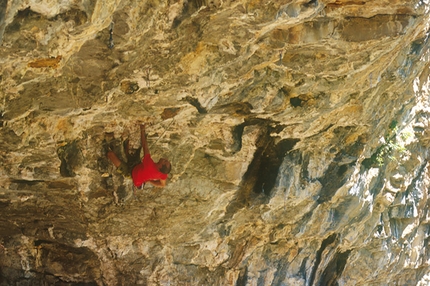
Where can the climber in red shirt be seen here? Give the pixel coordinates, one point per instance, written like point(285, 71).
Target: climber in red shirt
point(147, 170)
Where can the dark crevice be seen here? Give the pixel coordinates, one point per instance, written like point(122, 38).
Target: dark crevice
point(243, 277)
point(326, 242)
point(261, 278)
point(304, 162)
point(302, 270)
point(260, 177)
point(418, 46)
point(42, 241)
point(197, 3)
point(281, 270)
point(267, 165)
point(335, 177)
point(184, 14)
point(188, 8)
point(26, 182)
point(70, 157)
point(237, 131)
point(195, 102)
point(296, 102)
point(311, 3)
point(334, 269)
point(416, 180)
point(237, 137)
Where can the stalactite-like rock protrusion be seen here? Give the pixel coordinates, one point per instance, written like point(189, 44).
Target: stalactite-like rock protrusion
point(297, 132)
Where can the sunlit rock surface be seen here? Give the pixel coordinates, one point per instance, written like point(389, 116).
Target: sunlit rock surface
point(297, 130)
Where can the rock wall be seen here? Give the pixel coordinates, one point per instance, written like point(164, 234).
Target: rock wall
point(297, 131)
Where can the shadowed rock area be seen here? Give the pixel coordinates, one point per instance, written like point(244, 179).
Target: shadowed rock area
point(297, 132)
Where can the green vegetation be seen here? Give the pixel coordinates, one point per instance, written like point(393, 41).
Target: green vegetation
point(386, 149)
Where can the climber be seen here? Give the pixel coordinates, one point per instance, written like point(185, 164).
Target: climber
point(145, 170)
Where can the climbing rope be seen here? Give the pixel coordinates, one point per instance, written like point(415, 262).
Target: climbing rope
point(164, 132)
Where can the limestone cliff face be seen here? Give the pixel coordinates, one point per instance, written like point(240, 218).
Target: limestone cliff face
point(297, 131)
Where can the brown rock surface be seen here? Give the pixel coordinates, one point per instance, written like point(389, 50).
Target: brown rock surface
point(297, 131)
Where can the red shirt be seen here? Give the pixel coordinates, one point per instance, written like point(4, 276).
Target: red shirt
point(146, 171)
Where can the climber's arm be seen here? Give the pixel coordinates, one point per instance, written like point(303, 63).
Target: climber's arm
point(143, 139)
point(158, 183)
